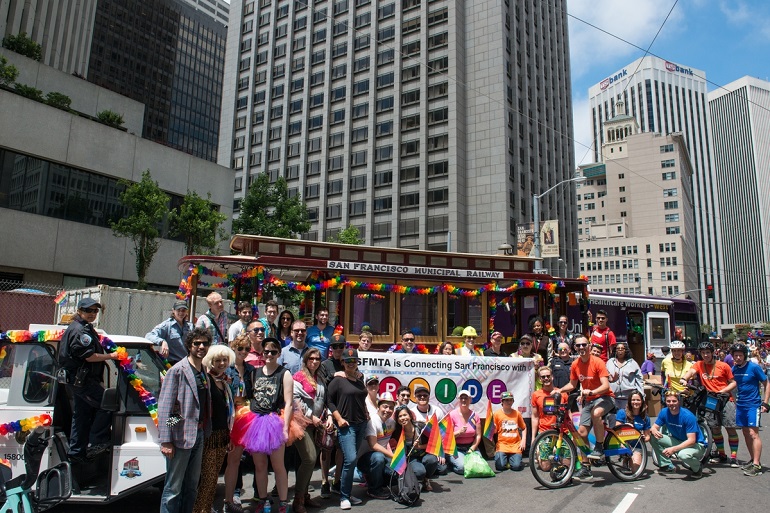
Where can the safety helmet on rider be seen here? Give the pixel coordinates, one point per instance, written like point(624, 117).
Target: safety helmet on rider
point(741, 348)
point(676, 344)
point(706, 346)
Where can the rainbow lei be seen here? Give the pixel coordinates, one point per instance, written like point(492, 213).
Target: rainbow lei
point(27, 424)
point(126, 364)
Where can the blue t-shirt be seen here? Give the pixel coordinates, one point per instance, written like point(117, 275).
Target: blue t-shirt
point(320, 339)
point(681, 424)
point(748, 378)
point(640, 423)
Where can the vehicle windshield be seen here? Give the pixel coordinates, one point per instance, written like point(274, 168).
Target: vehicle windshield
point(148, 368)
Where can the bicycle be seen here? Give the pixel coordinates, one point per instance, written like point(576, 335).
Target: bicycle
point(701, 402)
point(554, 453)
point(52, 486)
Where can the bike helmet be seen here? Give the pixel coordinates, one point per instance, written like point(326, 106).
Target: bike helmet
point(706, 346)
point(739, 347)
point(676, 344)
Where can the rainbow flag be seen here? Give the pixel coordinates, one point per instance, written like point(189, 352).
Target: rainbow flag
point(489, 425)
point(398, 463)
point(435, 445)
point(60, 298)
point(447, 429)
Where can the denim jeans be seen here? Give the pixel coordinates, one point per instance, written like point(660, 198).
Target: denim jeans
point(503, 460)
point(424, 467)
point(89, 422)
point(456, 462)
point(182, 474)
point(350, 438)
point(376, 467)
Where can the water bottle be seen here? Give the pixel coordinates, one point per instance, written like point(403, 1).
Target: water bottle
point(268, 506)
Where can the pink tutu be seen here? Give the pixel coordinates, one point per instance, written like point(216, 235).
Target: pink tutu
point(263, 433)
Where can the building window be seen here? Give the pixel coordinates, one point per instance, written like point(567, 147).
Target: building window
point(668, 163)
point(410, 122)
point(361, 64)
point(334, 187)
point(410, 97)
point(668, 193)
point(335, 163)
point(438, 116)
point(438, 91)
point(385, 104)
point(410, 73)
point(360, 111)
point(358, 183)
point(383, 178)
point(358, 158)
point(383, 153)
point(381, 231)
point(384, 128)
point(383, 204)
point(667, 148)
point(385, 80)
point(386, 56)
point(361, 87)
point(386, 34)
point(336, 140)
point(409, 174)
point(672, 218)
point(671, 175)
point(438, 65)
point(334, 211)
point(360, 134)
point(410, 200)
point(438, 168)
point(438, 142)
point(672, 230)
point(670, 205)
point(357, 208)
point(438, 196)
point(410, 148)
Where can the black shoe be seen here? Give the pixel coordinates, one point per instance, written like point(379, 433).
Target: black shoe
point(336, 488)
point(325, 490)
point(696, 475)
point(77, 458)
point(584, 474)
point(98, 449)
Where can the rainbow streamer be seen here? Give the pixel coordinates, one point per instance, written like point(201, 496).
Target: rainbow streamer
point(398, 463)
point(447, 429)
point(489, 425)
point(126, 364)
point(435, 445)
point(27, 424)
point(60, 298)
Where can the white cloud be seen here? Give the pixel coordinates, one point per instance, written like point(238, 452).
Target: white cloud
point(752, 16)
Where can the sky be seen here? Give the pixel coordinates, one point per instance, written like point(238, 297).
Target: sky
point(728, 39)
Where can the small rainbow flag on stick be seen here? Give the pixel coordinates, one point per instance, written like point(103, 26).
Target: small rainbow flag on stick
point(435, 445)
point(60, 298)
point(398, 463)
point(489, 425)
point(447, 428)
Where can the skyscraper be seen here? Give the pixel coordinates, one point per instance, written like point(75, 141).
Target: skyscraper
point(740, 120)
point(426, 124)
point(665, 98)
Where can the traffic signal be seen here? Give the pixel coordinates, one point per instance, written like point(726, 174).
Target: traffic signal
point(709, 291)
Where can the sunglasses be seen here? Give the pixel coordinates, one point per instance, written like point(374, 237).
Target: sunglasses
point(581, 345)
point(242, 348)
point(270, 352)
point(338, 346)
point(315, 358)
point(257, 330)
point(408, 339)
point(562, 322)
point(471, 338)
point(299, 331)
point(285, 318)
point(525, 344)
point(90, 310)
point(204, 343)
point(601, 318)
point(350, 362)
point(546, 377)
point(422, 396)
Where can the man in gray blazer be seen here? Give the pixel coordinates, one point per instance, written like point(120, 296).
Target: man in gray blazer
point(184, 422)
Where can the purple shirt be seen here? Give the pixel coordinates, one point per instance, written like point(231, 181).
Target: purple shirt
point(729, 360)
point(648, 367)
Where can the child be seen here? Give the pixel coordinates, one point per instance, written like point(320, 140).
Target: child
point(636, 414)
point(511, 430)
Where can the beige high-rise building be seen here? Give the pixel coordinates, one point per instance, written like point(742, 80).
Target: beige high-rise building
point(636, 228)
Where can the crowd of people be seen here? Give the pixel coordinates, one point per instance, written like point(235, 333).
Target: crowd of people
point(258, 386)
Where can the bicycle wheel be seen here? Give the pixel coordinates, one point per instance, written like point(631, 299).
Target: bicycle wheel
point(552, 458)
point(703, 425)
point(622, 466)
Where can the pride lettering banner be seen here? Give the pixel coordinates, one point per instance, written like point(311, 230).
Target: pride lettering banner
point(445, 376)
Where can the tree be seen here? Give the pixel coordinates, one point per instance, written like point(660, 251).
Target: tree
point(268, 210)
point(349, 235)
point(199, 222)
point(706, 328)
point(24, 45)
point(110, 118)
point(146, 204)
point(8, 72)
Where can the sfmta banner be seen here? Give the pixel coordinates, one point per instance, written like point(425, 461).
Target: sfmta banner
point(483, 377)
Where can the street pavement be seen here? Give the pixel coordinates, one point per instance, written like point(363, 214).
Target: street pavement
point(720, 489)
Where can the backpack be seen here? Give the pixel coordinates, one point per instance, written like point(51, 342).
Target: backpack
point(408, 488)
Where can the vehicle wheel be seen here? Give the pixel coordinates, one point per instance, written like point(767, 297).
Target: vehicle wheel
point(552, 459)
point(703, 425)
point(622, 466)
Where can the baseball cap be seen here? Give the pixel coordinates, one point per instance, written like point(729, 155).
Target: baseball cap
point(338, 339)
point(506, 395)
point(178, 305)
point(385, 397)
point(495, 334)
point(464, 393)
point(421, 388)
point(372, 379)
point(88, 303)
point(350, 353)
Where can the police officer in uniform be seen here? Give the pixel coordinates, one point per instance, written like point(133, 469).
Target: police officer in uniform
point(82, 358)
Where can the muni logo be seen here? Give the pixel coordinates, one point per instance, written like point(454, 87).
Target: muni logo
point(673, 68)
point(614, 78)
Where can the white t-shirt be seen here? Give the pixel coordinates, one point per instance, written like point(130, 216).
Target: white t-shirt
point(375, 427)
point(235, 329)
point(425, 417)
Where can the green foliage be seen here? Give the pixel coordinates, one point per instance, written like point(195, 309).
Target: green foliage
point(199, 222)
point(730, 338)
point(706, 328)
point(349, 235)
point(111, 118)
point(146, 205)
point(58, 100)
point(29, 92)
point(458, 331)
point(24, 45)
point(268, 210)
point(8, 72)
point(742, 330)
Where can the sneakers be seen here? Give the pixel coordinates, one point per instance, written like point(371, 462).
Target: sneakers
point(344, 504)
point(325, 490)
point(717, 458)
point(597, 453)
point(237, 497)
point(667, 468)
point(355, 501)
point(696, 475)
point(232, 507)
point(382, 494)
point(584, 474)
point(283, 507)
point(753, 471)
point(734, 463)
point(259, 505)
point(747, 465)
point(336, 487)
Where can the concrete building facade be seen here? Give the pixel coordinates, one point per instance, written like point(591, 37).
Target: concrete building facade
point(426, 124)
point(740, 121)
point(59, 174)
point(667, 98)
point(635, 213)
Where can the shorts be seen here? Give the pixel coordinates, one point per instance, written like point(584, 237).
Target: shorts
point(603, 401)
point(748, 416)
point(728, 417)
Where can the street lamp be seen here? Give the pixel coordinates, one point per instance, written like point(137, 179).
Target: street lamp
point(566, 272)
point(536, 216)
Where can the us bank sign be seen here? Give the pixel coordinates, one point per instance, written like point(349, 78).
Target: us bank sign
point(614, 78)
point(673, 68)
